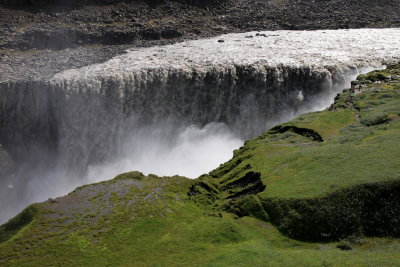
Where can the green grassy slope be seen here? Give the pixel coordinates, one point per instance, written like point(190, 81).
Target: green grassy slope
point(330, 177)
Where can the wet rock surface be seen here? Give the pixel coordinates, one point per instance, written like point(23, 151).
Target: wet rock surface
point(37, 34)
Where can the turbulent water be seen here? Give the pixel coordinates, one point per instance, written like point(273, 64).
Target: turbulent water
point(177, 109)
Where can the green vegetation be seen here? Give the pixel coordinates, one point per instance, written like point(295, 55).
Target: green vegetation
point(379, 75)
point(320, 190)
point(10, 228)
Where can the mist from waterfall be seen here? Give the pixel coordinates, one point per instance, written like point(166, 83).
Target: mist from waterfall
point(193, 151)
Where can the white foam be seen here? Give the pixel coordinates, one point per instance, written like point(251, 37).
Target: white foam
point(319, 49)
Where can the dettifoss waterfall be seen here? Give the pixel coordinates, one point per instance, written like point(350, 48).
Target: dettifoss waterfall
point(176, 109)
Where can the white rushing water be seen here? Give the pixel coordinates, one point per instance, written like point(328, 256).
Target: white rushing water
point(319, 49)
point(177, 109)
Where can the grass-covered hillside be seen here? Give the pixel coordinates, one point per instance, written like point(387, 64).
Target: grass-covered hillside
point(320, 190)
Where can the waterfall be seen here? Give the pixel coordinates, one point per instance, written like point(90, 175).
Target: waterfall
point(75, 125)
point(171, 95)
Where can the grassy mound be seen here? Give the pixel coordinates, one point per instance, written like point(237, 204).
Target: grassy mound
point(330, 176)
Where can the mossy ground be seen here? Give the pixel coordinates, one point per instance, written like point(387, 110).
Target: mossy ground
point(282, 183)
